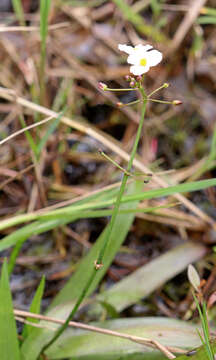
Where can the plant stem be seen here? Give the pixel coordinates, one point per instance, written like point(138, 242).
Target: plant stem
point(123, 184)
point(98, 264)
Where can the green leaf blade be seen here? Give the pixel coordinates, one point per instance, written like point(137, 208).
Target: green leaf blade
point(9, 346)
point(35, 307)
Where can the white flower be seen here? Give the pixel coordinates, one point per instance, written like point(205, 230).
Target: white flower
point(141, 57)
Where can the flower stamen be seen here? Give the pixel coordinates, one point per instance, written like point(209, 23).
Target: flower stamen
point(143, 62)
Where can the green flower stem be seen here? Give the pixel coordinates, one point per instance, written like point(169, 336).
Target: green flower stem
point(98, 263)
point(124, 180)
point(130, 103)
point(165, 85)
point(161, 101)
point(129, 89)
point(134, 175)
point(115, 163)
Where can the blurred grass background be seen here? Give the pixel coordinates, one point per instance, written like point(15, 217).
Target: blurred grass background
point(53, 54)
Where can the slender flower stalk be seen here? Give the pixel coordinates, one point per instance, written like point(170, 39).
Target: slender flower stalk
point(141, 59)
point(164, 86)
point(124, 180)
point(120, 104)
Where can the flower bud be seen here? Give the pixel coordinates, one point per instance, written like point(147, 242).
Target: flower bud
point(132, 83)
point(139, 78)
point(165, 85)
point(102, 86)
point(119, 104)
point(176, 102)
point(127, 77)
point(193, 277)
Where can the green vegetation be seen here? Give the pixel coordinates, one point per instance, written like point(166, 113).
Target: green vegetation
point(105, 205)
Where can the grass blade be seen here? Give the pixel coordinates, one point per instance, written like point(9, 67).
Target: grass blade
point(205, 20)
point(104, 193)
point(51, 128)
point(151, 194)
point(29, 136)
point(63, 216)
point(44, 13)
point(35, 307)
point(9, 347)
point(18, 9)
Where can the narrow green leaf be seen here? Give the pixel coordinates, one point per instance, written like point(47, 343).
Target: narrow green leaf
point(13, 256)
point(37, 227)
point(208, 11)
point(44, 13)
point(29, 136)
point(52, 219)
point(51, 128)
point(205, 20)
point(35, 307)
point(151, 194)
point(102, 194)
point(18, 9)
point(9, 347)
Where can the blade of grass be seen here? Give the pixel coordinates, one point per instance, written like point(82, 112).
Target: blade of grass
point(20, 236)
point(18, 9)
point(104, 193)
point(35, 307)
point(61, 97)
point(208, 11)
point(204, 20)
point(9, 347)
point(151, 194)
point(44, 13)
point(206, 336)
point(51, 128)
point(14, 254)
point(29, 137)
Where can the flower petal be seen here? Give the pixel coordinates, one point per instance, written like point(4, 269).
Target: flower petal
point(134, 59)
point(141, 47)
point(139, 70)
point(153, 57)
point(127, 49)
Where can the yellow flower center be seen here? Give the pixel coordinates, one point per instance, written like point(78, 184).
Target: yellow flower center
point(143, 62)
